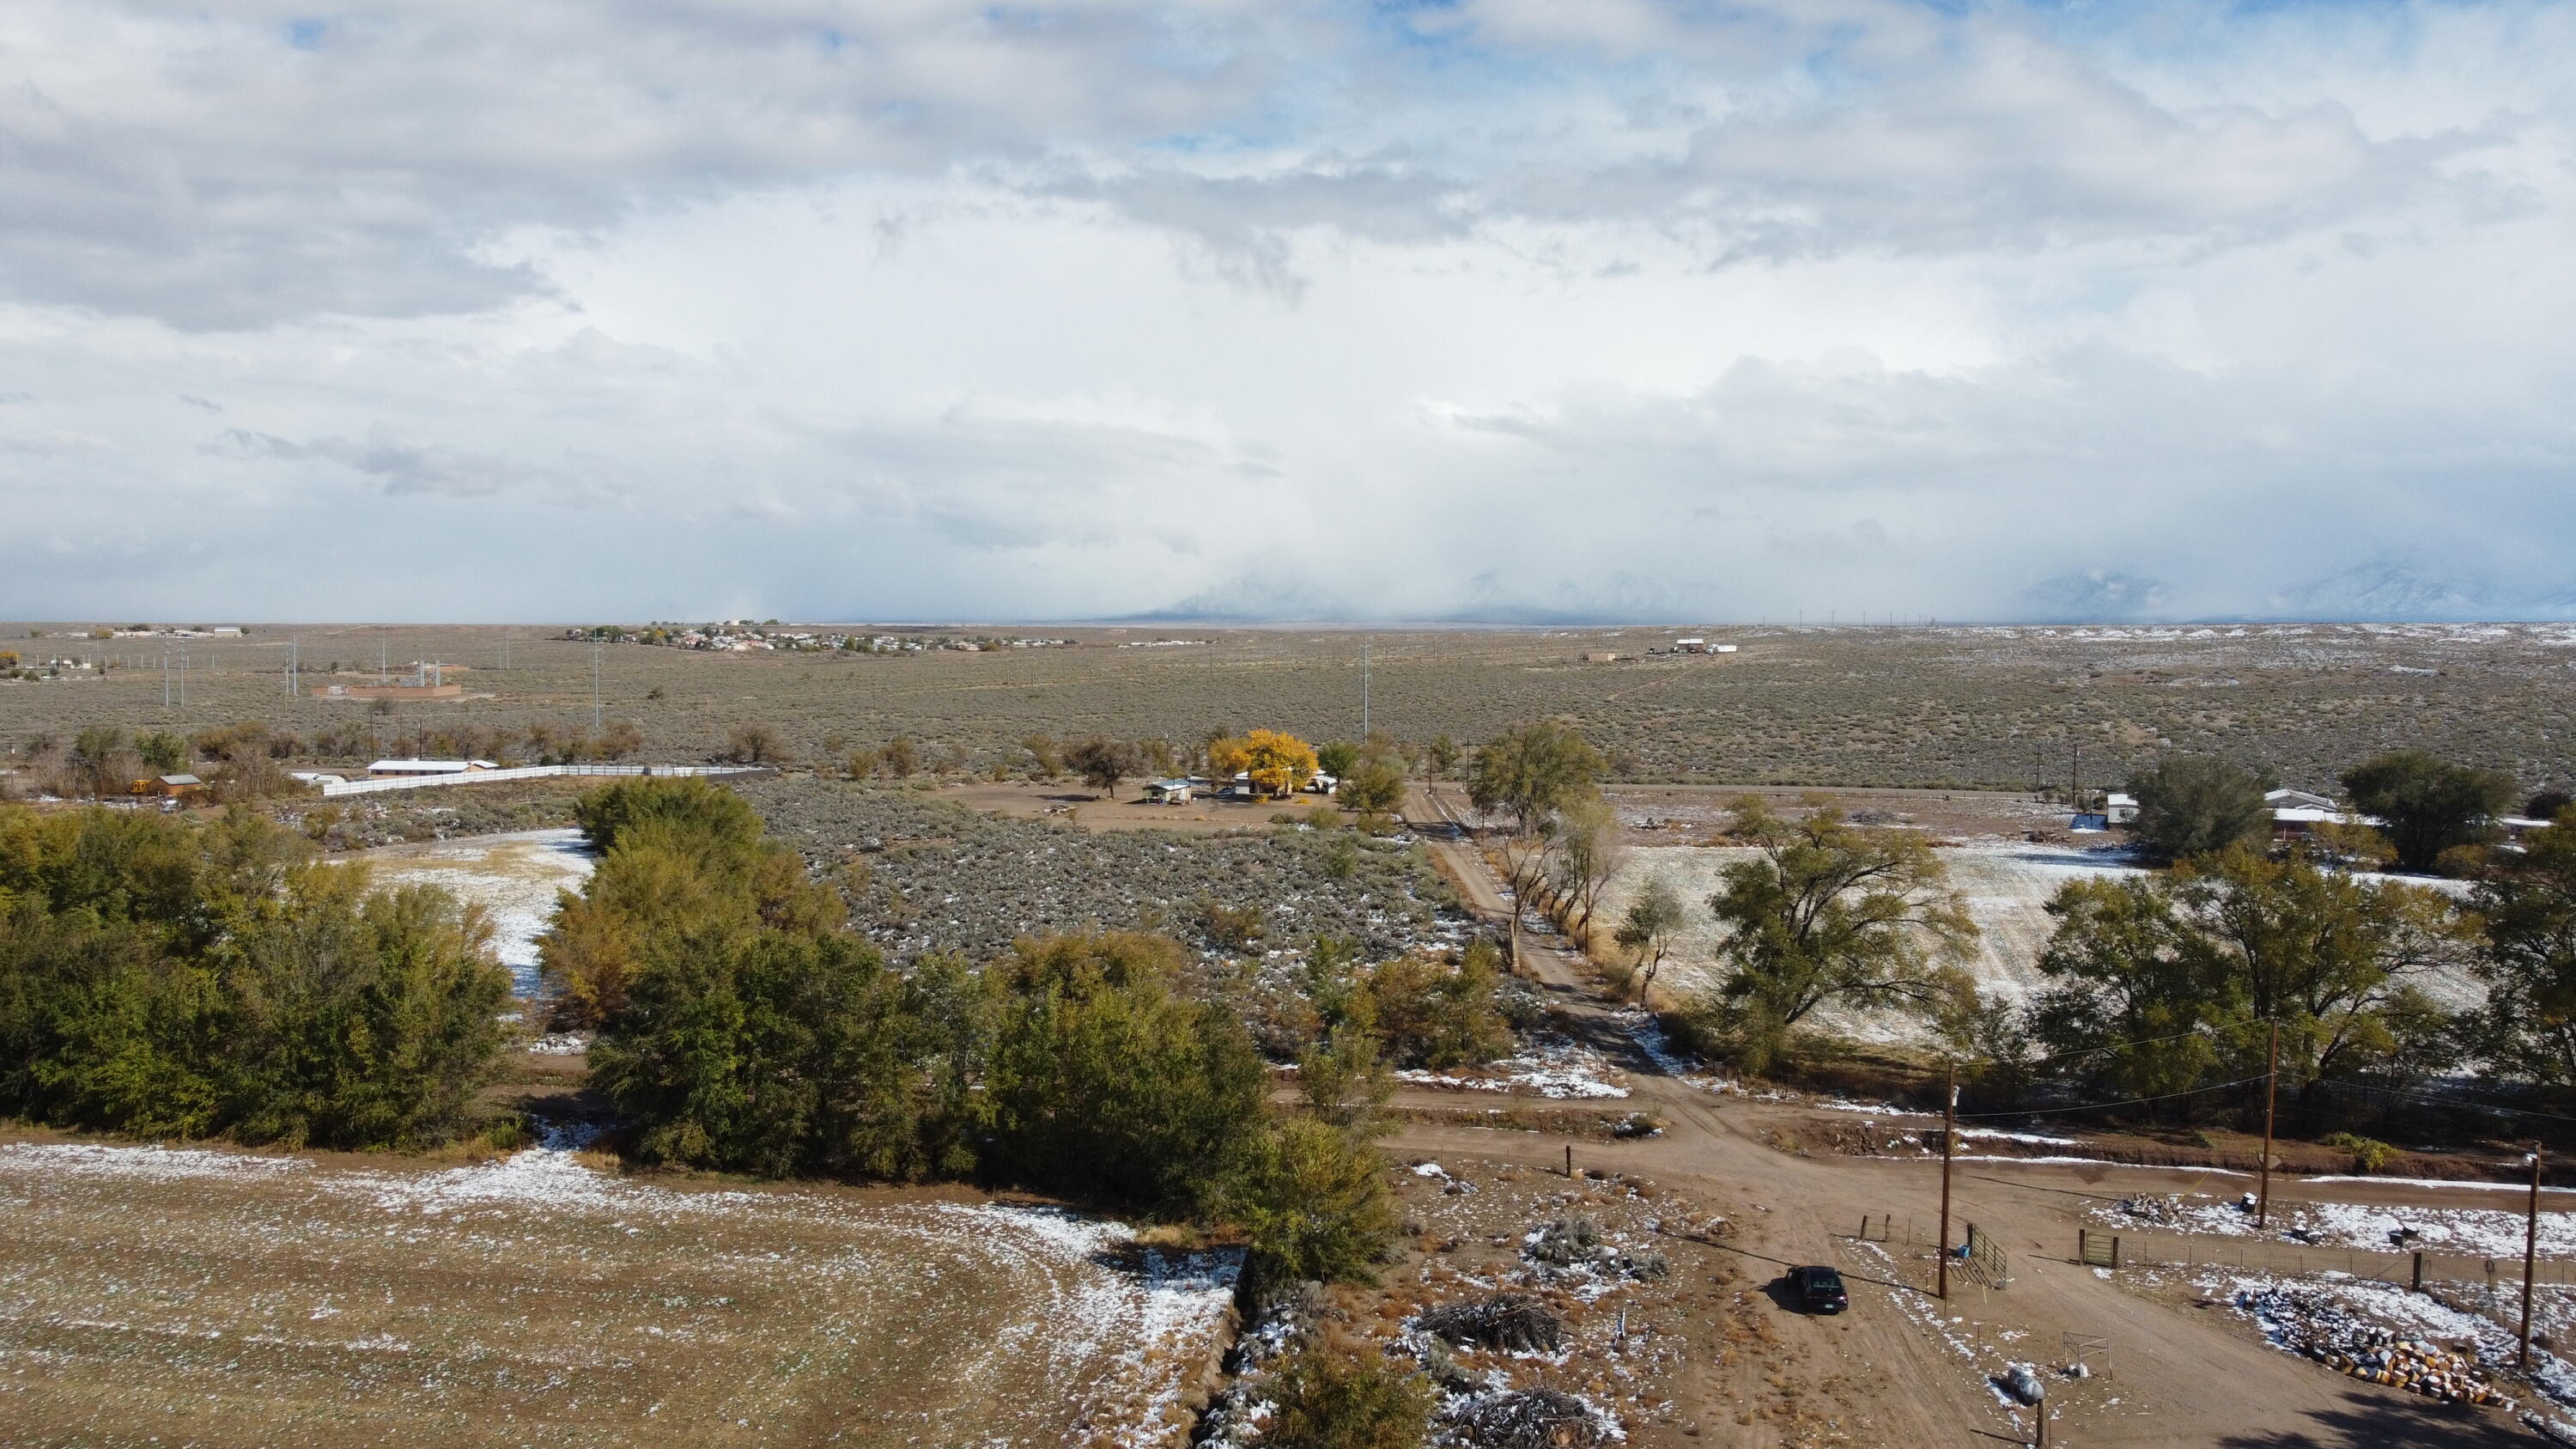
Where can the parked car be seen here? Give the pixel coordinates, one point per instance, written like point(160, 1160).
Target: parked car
point(1820, 1289)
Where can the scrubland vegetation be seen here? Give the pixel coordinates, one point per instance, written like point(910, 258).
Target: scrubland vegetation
point(1995, 707)
point(745, 1024)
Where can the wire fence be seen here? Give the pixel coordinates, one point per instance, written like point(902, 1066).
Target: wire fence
point(2413, 1270)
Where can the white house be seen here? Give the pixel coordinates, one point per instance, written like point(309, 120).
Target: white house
point(2120, 809)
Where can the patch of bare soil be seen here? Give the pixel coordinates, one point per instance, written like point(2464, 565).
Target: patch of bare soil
point(220, 1298)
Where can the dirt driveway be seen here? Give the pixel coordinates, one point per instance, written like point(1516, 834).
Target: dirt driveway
point(2181, 1375)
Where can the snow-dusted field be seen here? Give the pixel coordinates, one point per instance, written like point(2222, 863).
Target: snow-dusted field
point(2006, 885)
point(220, 1297)
point(2007, 889)
point(513, 876)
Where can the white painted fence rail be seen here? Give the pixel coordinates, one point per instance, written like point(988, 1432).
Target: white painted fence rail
point(528, 772)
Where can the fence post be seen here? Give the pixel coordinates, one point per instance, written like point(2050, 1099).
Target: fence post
point(2419, 1271)
point(2083, 1246)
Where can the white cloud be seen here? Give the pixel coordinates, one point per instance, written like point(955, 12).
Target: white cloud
point(1509, 307)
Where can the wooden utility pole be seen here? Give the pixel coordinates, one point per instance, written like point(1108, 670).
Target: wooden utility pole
point(2530, 1254)
point(1949, 1124)
point(2271, 1094)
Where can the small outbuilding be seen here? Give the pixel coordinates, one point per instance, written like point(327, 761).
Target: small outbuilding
point(413, 769)
point(1170, 792)
point(175, 787)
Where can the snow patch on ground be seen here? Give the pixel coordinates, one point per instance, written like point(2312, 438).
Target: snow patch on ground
point(513, 876)
point(1550, 1067)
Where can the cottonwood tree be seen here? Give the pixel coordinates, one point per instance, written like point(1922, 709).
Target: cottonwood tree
point(2228, 946)
point(1587, 853)
point(1646, 931)
point(1277, 763)
point(1102, 763)
point(2427, 806)
point(1830, 913)
point(2527, 907)
point(1374, 784)
point(2195, 804)
point(1527, 774)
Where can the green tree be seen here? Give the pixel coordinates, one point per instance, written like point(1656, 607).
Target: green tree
point(1313, 1203)
point(1103, 763)
point(1344, 1078)
point(96, 755)
point(1336, 757)
point(162, 752)
point(1104, 1083)
point(722, 822)
point(1374, 784)
point(2231, 944)
point(1441, 756)
point(1834, 914)
point(1646, 930)
point(2195, 804)
point(2427, 806)
point(1587, 851)
point(2526, 906)
point(1528, 773)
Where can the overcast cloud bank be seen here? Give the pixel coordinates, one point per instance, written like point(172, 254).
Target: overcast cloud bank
point(1501, 309)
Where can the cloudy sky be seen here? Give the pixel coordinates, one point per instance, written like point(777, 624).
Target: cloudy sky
point(1496, 308)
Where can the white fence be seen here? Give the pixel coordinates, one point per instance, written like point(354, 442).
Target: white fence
point(528, 772)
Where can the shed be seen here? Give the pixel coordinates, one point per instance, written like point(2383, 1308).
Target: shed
point(1169, 792)
point(2120, 809)
point(396, 769)
point(173, 786)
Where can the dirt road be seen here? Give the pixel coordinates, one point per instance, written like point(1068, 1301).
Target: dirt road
point(1910, 1367)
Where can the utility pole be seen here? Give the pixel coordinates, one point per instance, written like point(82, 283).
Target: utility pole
point(2271, 1094)
point(165, 676)
point(1949, 1126)
point(1364, 691)
point(2530, 1254)
point(2075, 776)
point(594, 688)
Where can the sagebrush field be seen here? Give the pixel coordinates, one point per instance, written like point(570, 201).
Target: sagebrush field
point(1992, 706)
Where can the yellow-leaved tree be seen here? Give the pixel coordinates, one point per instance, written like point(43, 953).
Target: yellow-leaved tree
point(1278, 763)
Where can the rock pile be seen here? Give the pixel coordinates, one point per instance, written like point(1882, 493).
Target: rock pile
point(2315, 1325)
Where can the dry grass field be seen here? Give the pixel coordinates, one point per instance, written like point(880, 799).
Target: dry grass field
point(1849, 706)
point(219, 1298)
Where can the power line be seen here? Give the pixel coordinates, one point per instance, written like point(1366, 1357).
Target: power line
point(2124, 1102)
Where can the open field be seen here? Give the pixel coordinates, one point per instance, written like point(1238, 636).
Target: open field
point(1996, 706)
point(513, 876)
point(215, 1298)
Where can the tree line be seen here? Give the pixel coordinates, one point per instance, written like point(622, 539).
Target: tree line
point(162, 978)
point(2162, 989)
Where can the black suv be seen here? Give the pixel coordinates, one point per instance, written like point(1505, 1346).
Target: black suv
point(1820, 1289)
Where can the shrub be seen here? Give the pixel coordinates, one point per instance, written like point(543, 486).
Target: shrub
point(2368, 1154)
point(1314, 1205)
point(1329, 1397)
point(1435, 1015)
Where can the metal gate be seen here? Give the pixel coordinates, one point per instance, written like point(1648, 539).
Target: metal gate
point(1985, 1261)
